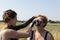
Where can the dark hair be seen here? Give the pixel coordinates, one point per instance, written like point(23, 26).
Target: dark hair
point(44, 18)
point(8, 15)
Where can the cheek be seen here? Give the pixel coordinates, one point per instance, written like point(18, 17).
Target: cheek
point(42, 24)
point(14, 22)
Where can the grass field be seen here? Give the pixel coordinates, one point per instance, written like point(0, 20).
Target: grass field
point(54, 28)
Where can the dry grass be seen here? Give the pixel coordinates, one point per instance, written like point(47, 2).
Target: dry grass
point(53, 28)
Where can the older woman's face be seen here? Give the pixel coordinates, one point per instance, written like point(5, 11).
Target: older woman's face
point(39, 21)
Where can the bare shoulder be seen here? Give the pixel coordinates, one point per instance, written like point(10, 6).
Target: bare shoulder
point(50, 36)
point(7, 31)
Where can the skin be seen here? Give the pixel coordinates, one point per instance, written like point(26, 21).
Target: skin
point(9, 33)
point(39, 33)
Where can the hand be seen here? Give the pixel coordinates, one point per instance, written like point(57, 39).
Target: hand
point(36, 16)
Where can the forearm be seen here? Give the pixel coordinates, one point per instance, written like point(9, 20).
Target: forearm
point(25, 35)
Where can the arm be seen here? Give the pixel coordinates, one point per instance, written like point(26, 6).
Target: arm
point(50, 37)
point(23, 25)
point(14, 34)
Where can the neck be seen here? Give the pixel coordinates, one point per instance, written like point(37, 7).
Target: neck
point(40, 29)
point(6, 26)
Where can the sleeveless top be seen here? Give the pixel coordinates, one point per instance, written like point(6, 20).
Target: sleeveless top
point(0, 36)
point(45, 38)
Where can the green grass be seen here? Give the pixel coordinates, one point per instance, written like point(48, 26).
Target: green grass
point(54, 28)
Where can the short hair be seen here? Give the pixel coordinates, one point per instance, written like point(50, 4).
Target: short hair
point(44, 18)
point(8, 15)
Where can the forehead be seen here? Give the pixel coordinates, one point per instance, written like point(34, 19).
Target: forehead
point(40, 18)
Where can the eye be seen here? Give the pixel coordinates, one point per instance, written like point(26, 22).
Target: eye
point(37, 20)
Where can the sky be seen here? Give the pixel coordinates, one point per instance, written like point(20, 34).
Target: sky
point(25, 9)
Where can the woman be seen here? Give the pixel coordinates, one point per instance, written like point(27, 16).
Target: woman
point(40, 33)
point(9, 31)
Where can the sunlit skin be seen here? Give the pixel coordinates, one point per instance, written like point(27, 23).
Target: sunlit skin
point(40, 30)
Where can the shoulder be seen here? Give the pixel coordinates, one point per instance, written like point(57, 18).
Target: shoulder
point(7, 31)
point(50, 36)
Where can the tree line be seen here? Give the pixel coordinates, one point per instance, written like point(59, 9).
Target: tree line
point(50, 21)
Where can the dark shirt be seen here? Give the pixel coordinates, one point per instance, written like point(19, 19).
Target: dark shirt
point(21, 26)
point(45, 38)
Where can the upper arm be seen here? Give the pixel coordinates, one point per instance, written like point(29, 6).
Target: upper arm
point(50, 37)
point(15, 34)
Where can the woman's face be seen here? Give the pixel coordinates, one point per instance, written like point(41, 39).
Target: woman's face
point(39, 22)
point(13, 21)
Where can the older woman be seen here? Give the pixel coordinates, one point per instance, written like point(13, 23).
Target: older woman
point(40, 33)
